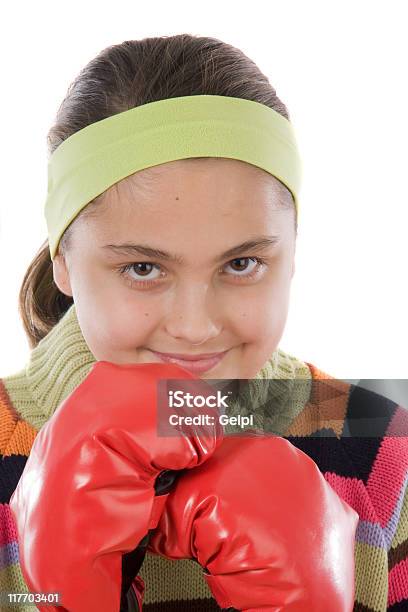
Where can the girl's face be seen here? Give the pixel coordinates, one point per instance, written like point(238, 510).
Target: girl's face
point(199, 291)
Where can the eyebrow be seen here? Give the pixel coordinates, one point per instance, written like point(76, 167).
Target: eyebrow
point(256, 244)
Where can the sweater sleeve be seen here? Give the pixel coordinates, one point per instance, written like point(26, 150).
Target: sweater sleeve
point(389, 483)
point(398, 556)
point(377, 446)
point(11, 577)
point(16, 438)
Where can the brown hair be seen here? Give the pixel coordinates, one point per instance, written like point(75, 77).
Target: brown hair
point(121, 77)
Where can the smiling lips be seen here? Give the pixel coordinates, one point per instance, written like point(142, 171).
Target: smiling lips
point(193, 363)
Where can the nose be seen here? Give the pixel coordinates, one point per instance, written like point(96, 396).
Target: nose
point(191, 318)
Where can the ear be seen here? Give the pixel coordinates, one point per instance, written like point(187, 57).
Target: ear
point(61, 275)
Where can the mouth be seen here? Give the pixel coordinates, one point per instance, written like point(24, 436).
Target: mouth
point(193, 363)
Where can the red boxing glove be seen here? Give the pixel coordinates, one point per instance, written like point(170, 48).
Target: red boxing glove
point(86, 498)
point(268, 530)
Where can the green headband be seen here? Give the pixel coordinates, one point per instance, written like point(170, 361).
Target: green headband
point(103, 153)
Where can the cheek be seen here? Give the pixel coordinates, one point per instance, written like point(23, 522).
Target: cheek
point(263, 314)
point(121, 326)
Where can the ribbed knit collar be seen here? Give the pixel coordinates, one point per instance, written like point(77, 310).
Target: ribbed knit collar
point(62, 360)
point(58, 364)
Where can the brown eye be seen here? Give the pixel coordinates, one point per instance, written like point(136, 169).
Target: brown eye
point(141, 267)
point(240, 264)
point(136, 272)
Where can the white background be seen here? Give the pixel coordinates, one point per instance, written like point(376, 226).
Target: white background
point(340, 67)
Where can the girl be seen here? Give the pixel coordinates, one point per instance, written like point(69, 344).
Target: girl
point(165, 284)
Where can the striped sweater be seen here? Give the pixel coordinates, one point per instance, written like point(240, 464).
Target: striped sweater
point(324, 417)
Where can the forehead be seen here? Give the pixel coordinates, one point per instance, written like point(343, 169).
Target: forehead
point(224, 172)
point(197, 215)
point(190, 205)
point(211, 185)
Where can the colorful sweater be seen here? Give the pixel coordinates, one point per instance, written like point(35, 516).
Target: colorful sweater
point(322, 416)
